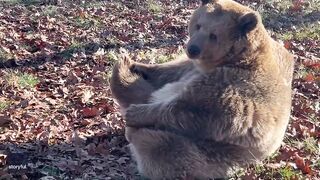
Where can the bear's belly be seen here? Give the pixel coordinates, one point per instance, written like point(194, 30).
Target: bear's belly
point(167, 93)
point(172, 90)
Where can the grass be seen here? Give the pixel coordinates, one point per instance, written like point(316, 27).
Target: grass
point(311, 145)
point(316, 165)
point(313, 5)
point(287, 173)
point(158, 56)
point(259, 168)
point(74, 47)
point(154, 6)
point(50, 11)
point(308, 144)
point(314, 117)
point(21, 80)
point(91, 4)
point(163, 58)
point(10, 1)
point(168, 57)
point(112, 56)
point(83, 22)
point(302, 72)
point(27, 80)
point(306, 32)
point(87, 22)
point(284, 15)
point(25, 2)
point(284, 5)
point(3, 105)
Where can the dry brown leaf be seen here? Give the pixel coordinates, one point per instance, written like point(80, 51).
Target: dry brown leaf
point(309, 78)
point(302, 164)
point(90, 112)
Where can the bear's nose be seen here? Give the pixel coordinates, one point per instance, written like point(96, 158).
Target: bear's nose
point(194, 51)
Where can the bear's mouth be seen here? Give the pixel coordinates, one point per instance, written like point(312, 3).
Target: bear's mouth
point(207, 64)
point(209, 61)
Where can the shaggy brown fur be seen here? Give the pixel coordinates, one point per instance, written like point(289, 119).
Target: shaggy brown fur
point(225, 106)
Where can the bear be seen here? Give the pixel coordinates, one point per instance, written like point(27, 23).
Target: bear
point(224, 105)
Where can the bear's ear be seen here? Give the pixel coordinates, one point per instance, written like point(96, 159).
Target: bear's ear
point(247, 22)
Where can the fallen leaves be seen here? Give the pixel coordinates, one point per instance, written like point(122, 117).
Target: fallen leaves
point(90, 112)
point(288, 45)
point(302, 164)
point(69, 122)
point(297, 5)
point(309, 78)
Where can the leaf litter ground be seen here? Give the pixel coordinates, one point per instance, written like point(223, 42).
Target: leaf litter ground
point(56, 109)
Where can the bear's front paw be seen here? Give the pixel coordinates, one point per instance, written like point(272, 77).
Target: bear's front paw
point(135, 116)
point(137, 68)
point(126, 62)
point(140, 69)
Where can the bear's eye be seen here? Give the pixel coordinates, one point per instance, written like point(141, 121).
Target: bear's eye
point(198, 26)
point(212, 37)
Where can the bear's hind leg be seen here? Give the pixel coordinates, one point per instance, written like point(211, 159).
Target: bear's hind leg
point(161, 154)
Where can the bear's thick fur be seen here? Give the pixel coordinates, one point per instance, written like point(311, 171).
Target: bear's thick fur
point(224, 106)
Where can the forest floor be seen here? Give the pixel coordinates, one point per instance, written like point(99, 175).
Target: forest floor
point(57, 115)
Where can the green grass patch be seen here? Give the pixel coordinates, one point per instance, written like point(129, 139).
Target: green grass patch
point(24, 2)
point(308, 144)
point(154, 6)
point(21, 80)
point(168, 57)
point(27, 80)
point(164, 58)
point(50, 11)
point(73, 48)
point(112, 56)
point(311, 145)
point(87, 22)
point(75, 45)
point(92, 4)
point(282, 5)
point(82, 22)
point(306, 32)
point(287, 173)
point(285, 5)
point(312, 5)
point(302, 71)
point(4, 104)
point(10, 1)
point(158, 56)
point(259, 168)
point(316, 165)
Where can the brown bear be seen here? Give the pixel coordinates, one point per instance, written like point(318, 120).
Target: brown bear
point(224, 106)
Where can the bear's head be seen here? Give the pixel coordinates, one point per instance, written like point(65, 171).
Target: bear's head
point(219, 31)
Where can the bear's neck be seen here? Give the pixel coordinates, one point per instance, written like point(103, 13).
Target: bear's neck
point(251, 53)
